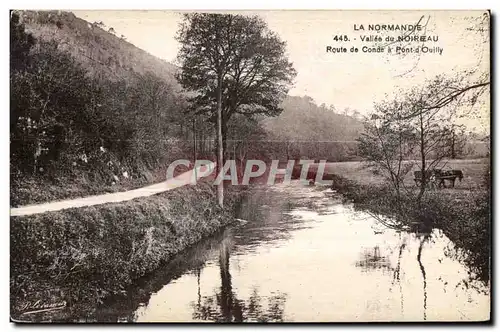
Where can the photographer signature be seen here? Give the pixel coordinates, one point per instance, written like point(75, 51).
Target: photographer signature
point(39, 306)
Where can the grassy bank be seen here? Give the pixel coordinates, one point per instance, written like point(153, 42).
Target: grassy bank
point(463, 216)
point(82, 255)
point(44, 188)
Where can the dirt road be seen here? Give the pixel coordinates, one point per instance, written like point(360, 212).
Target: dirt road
point(176, 182)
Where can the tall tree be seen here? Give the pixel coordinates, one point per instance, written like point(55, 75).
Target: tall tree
point(235, 64)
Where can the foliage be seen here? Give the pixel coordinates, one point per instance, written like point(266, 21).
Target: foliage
point(237, 56)
point(421, 119)
point(244, 135)
point(102, 54)
point(20, 43)
point(305, 129)
point(388, 142)
point(66, 124)
point(82, 255)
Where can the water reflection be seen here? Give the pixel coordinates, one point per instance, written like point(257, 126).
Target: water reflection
point(371, 259)
point(225, 306)
point(255, 228)
point(270, 222)
point(422, 270)
point(300, 254)
point(123, 307)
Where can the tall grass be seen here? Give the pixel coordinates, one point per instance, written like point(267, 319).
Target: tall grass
point(88, 253)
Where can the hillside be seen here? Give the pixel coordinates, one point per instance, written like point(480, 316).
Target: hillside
point(102, 53)
point(303, 120)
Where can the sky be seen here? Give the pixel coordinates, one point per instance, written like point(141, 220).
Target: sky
point(345, 80)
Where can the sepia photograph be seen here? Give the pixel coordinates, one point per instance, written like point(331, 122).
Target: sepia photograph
point(250, 166)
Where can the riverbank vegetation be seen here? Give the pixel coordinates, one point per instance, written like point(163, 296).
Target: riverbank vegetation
point(82, 255)
point(462, 215)
point(411, 138)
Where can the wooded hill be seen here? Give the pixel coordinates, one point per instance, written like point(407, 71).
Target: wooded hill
point(98, 48)
point(105, 55)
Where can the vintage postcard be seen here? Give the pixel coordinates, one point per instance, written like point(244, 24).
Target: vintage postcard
point(250, 166)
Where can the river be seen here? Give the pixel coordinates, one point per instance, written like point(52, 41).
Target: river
point(298, 253)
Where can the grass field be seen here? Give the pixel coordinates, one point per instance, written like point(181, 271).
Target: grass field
point(473, 170)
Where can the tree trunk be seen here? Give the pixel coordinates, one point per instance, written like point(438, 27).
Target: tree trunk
point(202, 142)
point(453, 153)
point(220, 148)
point(224, 137)
point(194, 140)
point(226, 295)
point(194, 149)
point(423, 182)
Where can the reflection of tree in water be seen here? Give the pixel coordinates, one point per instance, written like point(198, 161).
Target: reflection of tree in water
point(124, 307)
point(397, 271)
point(397, 275)
point(371, 259)
point(425, 238)
point(224, 306)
